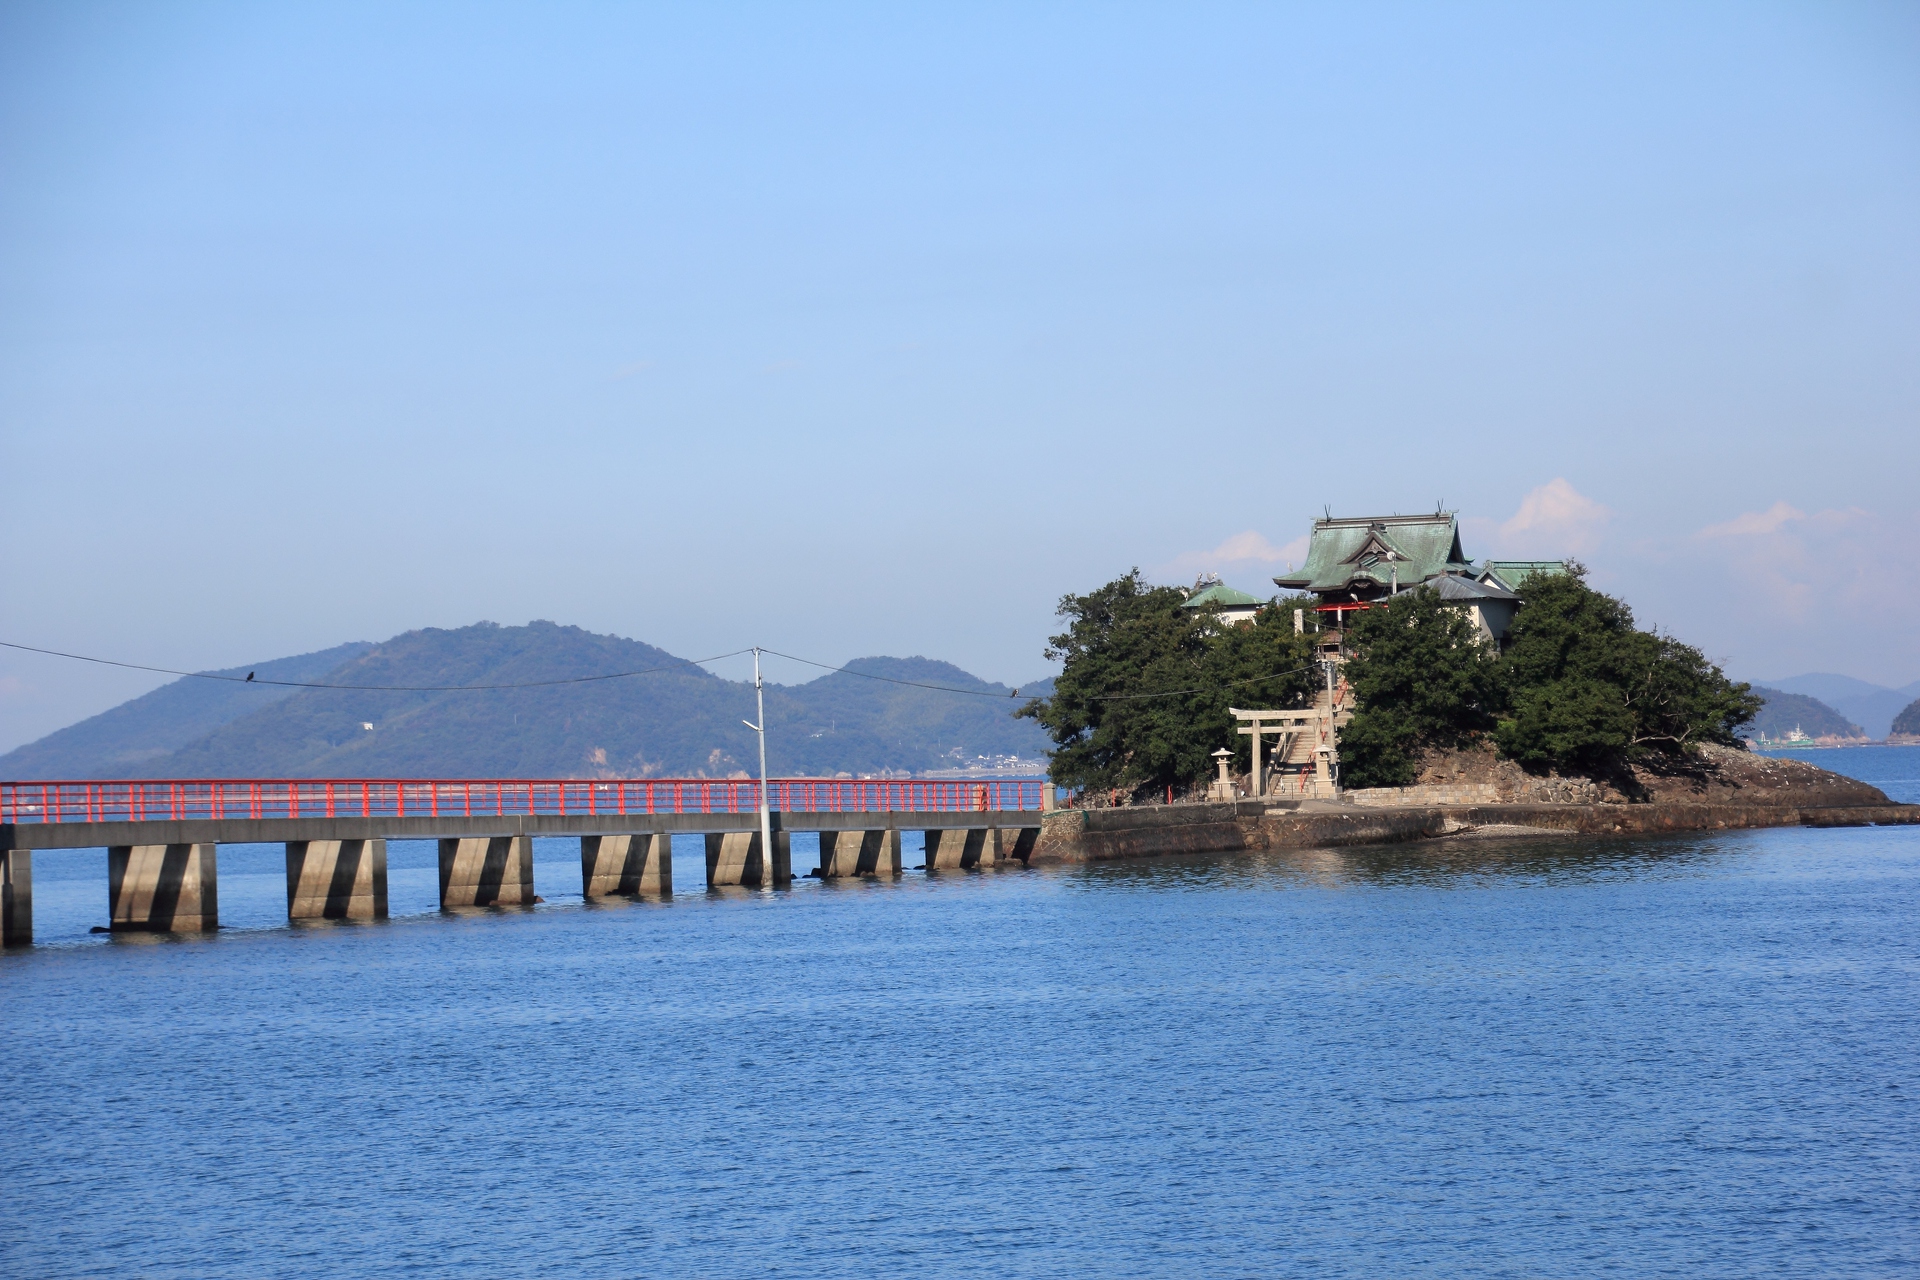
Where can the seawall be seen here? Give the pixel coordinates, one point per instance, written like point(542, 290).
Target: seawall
point(1146, 831)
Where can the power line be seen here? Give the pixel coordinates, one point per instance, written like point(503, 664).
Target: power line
point(376, 688)
point(676, 665)
point(867, 675)
point(982, 693)
point(1175, 693)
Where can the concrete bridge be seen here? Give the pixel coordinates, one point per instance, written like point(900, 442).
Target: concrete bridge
point(162, 836)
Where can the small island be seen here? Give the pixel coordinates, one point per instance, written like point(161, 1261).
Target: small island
point(1407, 692)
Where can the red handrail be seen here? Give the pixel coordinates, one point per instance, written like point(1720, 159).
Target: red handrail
point(138, 799)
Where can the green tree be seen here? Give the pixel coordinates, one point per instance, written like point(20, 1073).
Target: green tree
point(1586, 691)
point(1142, 699)
point(1421, 677)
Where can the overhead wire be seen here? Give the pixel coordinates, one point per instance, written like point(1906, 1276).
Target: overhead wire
point(379, 688)
point(622, 675)
point(984, 693)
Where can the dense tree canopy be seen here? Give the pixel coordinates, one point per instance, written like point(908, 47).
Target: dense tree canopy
point(1420, 679)
point(1144, 697)
point(1142, 700)
point(1579, 687)
point(1584, 690)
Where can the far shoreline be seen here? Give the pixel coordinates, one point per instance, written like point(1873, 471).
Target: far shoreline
point(1832, 746)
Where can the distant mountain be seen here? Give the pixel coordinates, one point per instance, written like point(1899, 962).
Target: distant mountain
point(1907, 723)
point(123, 741)
point(677, 719)
point(1784, 712)
point(1872, 706)
point(857, 714)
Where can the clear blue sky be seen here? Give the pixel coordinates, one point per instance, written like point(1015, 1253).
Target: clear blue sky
point(855, 330)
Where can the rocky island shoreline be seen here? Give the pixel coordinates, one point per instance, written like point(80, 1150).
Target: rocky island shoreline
point(1472, 792)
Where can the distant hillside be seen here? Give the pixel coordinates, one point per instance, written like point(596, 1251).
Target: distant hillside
point(1784, 712)
point(678, 720)
point(846, 716)
point(1907, 723)
point(1871, 706)
point(122, 742)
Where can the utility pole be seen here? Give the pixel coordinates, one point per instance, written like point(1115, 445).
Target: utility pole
point(1333, 768)
point(766, 817)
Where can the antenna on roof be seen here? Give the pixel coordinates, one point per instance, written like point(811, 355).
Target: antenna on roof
point(1329, 510)
point(1440, 507)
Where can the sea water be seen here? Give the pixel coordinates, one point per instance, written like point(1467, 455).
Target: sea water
point(1643, 1056)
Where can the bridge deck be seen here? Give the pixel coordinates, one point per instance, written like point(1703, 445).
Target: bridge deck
point(162, 835)
point(94, 835)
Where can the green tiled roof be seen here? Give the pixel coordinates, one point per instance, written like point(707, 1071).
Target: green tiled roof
point(1380, 549)
point(1513, 574)
point(1223, 595)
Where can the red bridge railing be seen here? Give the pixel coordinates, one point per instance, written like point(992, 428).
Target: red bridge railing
point(179, 800)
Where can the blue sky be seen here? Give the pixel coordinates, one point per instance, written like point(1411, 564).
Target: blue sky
point(854, 330)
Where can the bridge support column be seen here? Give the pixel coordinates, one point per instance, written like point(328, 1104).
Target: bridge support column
point(336, 879)
point(486, 871)
point(1016, 844)
point(163, 888)
point(954, 848)
point(621, 866)
point(16, 897)
point(859, 853)
point(885, 856)
point(733, 857)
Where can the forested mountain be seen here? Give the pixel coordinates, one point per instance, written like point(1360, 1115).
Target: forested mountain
point(127, 739)
point(1871, 706)
point(1907, 723)
point(676, 720)
point(1784, 712)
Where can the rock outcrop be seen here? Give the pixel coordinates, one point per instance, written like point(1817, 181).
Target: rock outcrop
point(1464, 791)
point(1717, 775)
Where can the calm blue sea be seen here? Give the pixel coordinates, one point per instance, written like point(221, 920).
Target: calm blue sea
point(1679, 1056)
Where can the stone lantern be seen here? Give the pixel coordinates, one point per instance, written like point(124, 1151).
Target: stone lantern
point(1222, 787)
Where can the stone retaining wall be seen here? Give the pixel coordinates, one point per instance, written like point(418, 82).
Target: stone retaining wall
point(1098, 835)
point(1454, 793)
point(1146, 831)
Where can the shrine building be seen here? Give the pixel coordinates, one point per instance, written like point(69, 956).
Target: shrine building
point(1354, 562)
point(1235, 607)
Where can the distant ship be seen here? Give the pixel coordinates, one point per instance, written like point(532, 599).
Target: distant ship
point(1794, 739)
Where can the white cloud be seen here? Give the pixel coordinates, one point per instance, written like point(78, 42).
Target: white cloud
point(1248, 550)
point(1254, 546)
point(1555, 520)
point(1806, 564)
point(1754, 524)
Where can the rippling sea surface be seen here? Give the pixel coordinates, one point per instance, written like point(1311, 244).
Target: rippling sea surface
point(1693, 1055)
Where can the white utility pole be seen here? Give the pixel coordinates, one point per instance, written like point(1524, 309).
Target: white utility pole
point(766, 818)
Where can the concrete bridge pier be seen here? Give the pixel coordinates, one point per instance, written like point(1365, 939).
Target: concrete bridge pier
point(163, 888)
point(1016, 844)
point(336, 879)
point(733, 857)
point(486, 871)
point(622, 866)
point(884, 858)
point(859, 853)
point(16, 897)
point(957, 848)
